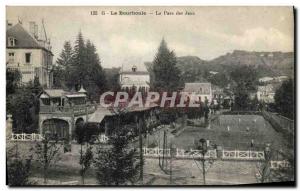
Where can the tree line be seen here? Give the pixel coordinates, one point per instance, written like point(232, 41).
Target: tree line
point(80, 66)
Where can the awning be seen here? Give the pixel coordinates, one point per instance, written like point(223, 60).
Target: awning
point(99, 115)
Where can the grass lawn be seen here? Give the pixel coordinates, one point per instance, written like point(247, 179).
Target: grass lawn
point(228, 131)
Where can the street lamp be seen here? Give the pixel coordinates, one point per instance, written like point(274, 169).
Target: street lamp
point(265, 167)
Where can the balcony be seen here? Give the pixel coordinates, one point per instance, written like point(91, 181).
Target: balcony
point(14, 65)
point(77, 110)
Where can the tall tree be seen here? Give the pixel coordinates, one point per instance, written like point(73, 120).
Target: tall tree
point(24, 107)
point(47, 152)
point(166, 73)
point(61, 71)
point(118, 164)
point(245, 78)
point(219, 79)
point(245, 75)
point(81, 66)
point(13, 78)
point(94, 75)
point(66, 55)
point(78, 65)
point(284, 99)
point(112, 76)
point(84, 136)
point(18, 167)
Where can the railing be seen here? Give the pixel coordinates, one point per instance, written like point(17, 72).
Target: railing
point(196, 154)
point(210, 154)
point(77, 109)
point(243, 155)
point(103, 138)
point(156, 152)
point(280, 164)
point(13, 65)
point(279, 122)
point(179, 153)
point(26, 137)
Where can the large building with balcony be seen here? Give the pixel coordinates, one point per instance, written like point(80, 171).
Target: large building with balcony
point(29, 51)
point(61, 111)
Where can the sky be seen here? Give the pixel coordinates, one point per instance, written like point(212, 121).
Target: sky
point(126, 40)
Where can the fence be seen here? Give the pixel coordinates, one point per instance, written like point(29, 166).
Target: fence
point(210, 154)
point(38, 137)
point(243, 155)
point(280, 164)
point(196, 154)
point(280, 123)
point(156, 152)
point(76, 110)
point(26, 137)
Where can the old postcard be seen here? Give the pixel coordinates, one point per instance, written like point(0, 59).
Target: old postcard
point(150, 96)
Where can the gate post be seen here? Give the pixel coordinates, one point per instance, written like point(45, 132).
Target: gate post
point(220, 152)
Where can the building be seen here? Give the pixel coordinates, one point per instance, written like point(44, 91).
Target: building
point(281, 78)
point(61, 111)
point(265, 79)
point(202, 91)
point(266, 93)
point(30, 52)
point(139, 80)
point(276, 79)
point(217, 92)
point(213, 72)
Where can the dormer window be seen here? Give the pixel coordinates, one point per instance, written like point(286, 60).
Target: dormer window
point(12, 41)
point(134, 68)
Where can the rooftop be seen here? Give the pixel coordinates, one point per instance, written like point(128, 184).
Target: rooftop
point(23, 38)
point(55, 93)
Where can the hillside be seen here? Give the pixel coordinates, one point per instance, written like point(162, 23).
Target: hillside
point(266, 63)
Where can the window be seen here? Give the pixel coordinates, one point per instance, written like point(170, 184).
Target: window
point(11, 41)
point(27, 58)
point(11, 57)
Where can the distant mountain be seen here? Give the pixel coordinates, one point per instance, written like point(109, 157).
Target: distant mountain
point(190, 60)
point(194, 69)
point(266, 63)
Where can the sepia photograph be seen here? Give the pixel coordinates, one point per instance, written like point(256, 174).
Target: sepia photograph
point(149, 96)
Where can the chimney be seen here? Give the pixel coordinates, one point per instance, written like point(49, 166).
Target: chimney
point(33, 29)
point(134, 68)
point(8, 25)
point(36, 31)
